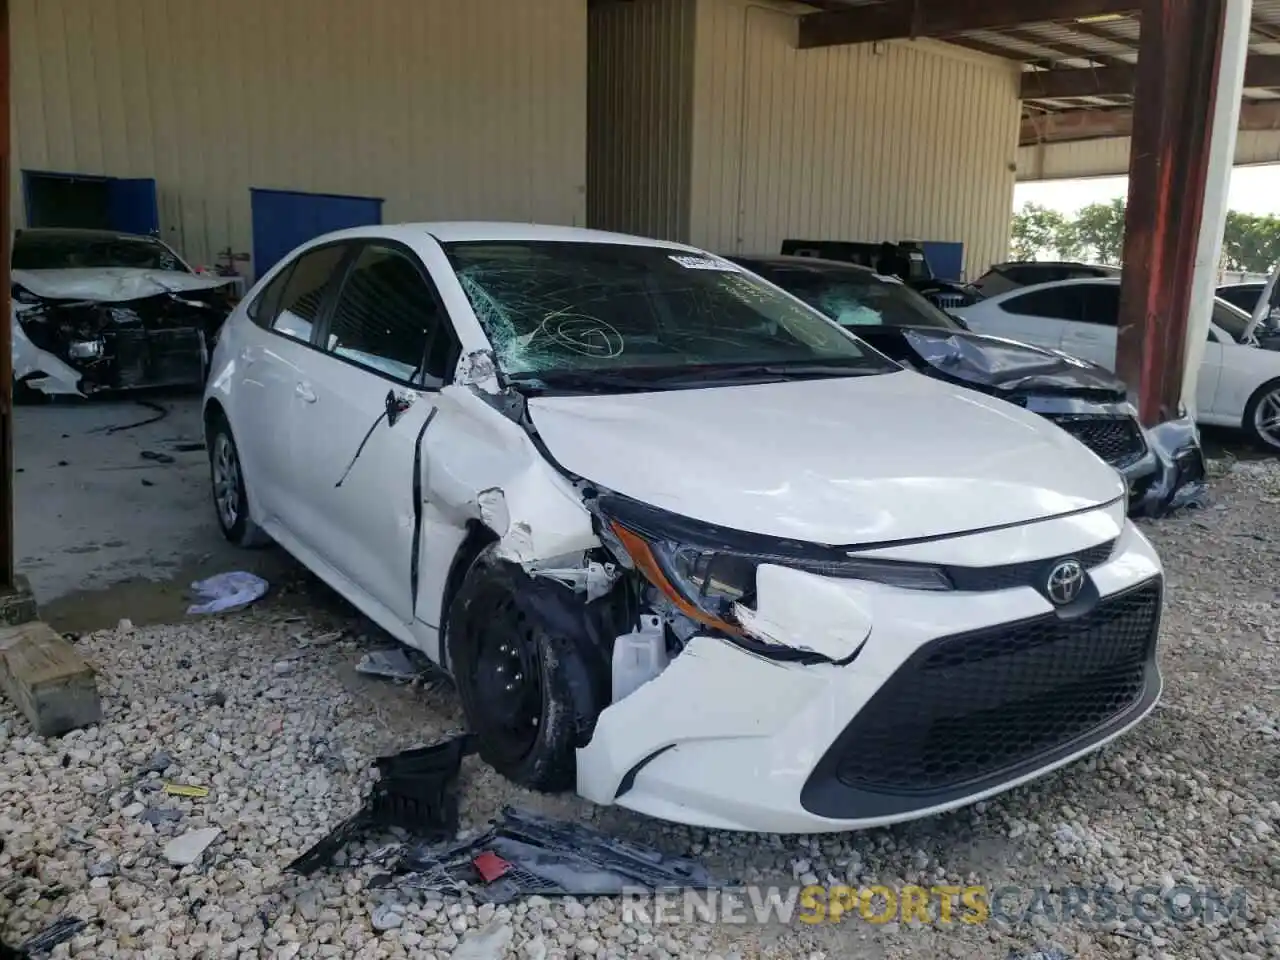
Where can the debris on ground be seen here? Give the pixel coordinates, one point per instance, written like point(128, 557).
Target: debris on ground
point(188, 848)
point(227, 591)
point(60, 931)
point(391, 664)
point(524, 854)
point(416, 791)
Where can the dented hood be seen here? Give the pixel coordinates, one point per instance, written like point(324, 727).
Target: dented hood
point(852, 460)
point(111, 284)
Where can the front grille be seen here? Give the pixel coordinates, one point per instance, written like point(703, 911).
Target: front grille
point(1032, 573)
point(157, 358)
point(970, 707)
point(949, 301)
point(1117, 440)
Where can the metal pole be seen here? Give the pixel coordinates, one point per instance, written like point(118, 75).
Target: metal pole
point(8, 575)
point(1178, 65)
point(1213, 223)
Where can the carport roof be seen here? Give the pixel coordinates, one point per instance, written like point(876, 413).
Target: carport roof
point(1079, 65)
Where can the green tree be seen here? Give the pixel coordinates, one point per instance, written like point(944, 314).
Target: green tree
point(1251, 243)
point(1099, 232)
point(1035, 231)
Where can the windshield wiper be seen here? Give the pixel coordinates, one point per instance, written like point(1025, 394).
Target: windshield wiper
point(784, 370)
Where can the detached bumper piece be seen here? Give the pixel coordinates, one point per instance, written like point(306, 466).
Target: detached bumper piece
point(971, 712)
point(1117, 440)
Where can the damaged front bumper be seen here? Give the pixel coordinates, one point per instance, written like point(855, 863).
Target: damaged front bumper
point(81, 347)
point(947, 697)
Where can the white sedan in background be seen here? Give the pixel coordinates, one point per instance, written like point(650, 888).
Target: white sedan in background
point(1239, 384)
point(682, 541)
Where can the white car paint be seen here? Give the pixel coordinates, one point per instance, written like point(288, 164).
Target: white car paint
point(1230, 374)
point(112, 284)
point(912, 469)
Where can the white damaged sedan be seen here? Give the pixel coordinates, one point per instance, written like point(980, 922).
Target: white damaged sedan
point(682, 542)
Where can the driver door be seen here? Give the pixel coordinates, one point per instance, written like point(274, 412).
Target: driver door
point(384, 352)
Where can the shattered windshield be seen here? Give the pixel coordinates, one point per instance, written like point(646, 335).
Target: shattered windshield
point(550, 306)
point(856, 298)
point(69, 252)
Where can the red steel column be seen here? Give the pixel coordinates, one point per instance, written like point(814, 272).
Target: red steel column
point(1178, 61)
point(7, 571)
point(1178, 65)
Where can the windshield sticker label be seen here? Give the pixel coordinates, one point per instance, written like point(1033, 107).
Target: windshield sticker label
point(703, 263)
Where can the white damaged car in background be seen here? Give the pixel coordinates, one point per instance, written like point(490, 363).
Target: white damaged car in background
point(683, 543)
point(97, 310)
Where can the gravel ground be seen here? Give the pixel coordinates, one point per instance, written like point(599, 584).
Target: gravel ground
point(265, 710)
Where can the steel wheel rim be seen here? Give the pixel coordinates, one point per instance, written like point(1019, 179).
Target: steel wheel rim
point(226, 481)
point(1266, 419)
point(507, 678)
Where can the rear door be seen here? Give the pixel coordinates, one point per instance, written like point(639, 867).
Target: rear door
point(270, 358)
point(385, 350)
point(1093, 335)
point(1039, 316)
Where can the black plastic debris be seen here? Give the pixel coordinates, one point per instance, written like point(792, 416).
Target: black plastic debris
point(416, 791)
point(524, 854)
point(62, 929)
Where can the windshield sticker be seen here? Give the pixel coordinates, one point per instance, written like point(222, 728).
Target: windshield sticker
point(703, 263)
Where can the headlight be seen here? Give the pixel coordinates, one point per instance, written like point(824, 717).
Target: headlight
point(705, 582)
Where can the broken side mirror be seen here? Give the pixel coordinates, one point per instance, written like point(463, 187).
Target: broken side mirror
point(395, 407)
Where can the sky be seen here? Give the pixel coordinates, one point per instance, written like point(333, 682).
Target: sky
point(1254, 190)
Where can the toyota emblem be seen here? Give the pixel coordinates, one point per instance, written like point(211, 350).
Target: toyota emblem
point(1065, 582)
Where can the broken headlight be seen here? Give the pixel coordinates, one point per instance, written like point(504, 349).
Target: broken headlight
point(705, 571)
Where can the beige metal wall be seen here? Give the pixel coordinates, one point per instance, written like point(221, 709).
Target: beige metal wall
point(892, 141)
point(1109, 157)
point(445, 110)
point(639, 129)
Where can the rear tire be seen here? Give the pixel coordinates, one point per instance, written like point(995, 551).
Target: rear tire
point(230, 501)
point(512, 678)
point(1262, 416)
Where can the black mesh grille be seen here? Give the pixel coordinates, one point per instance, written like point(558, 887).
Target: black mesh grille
point(1033, 573)
point(157, 358)
point(966, 708)
point(1117, 440)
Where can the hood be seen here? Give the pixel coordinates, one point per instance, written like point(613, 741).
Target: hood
point(854, 460)
point(1009, 366)
point(111, 284)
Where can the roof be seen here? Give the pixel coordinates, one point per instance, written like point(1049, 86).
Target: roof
point(811, 264)
point(461, 231)
point(76, 233)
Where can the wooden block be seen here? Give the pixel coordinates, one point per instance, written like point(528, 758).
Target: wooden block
point(47, 679)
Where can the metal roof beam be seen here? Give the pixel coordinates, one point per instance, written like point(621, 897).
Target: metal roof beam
point(1260, 71)
point(900, 19)
point(1098, 124)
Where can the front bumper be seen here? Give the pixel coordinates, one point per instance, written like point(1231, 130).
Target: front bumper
point(955, 697)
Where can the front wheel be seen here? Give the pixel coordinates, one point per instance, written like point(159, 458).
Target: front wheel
point(230, 501)
point(512, 677)
point(1262, 415)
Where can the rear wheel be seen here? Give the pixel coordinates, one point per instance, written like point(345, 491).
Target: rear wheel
point(511, 675)
point(1262, 415)
point(230, 501)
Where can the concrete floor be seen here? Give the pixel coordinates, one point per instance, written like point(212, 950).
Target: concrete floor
point(105, 531)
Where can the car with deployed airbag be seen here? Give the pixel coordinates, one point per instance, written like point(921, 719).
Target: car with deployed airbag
point(685, 544)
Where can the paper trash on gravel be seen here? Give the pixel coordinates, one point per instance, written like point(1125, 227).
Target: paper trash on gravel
point(227, 591)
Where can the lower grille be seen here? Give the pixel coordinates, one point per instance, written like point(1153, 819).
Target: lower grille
point(969, 708)
point(157, 358)
point(1117, 440)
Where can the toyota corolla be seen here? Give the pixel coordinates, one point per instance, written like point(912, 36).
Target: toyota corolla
point(684, 544)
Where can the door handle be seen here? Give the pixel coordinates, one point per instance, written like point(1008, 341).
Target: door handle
point(304, 390)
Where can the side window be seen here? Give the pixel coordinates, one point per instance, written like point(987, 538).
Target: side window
point(1101, 303)
point(262, 308)
point(303, 292)
point(388, 319)
point(1057, 303)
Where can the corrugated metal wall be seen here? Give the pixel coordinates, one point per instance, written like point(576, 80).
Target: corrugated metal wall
point(446, 110)
point(639, 129)
point(1109, 157)
point(914, 142)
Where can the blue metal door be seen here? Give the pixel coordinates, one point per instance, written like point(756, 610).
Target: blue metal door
point(282, 219)
point(131, 205)
point(946, 259)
